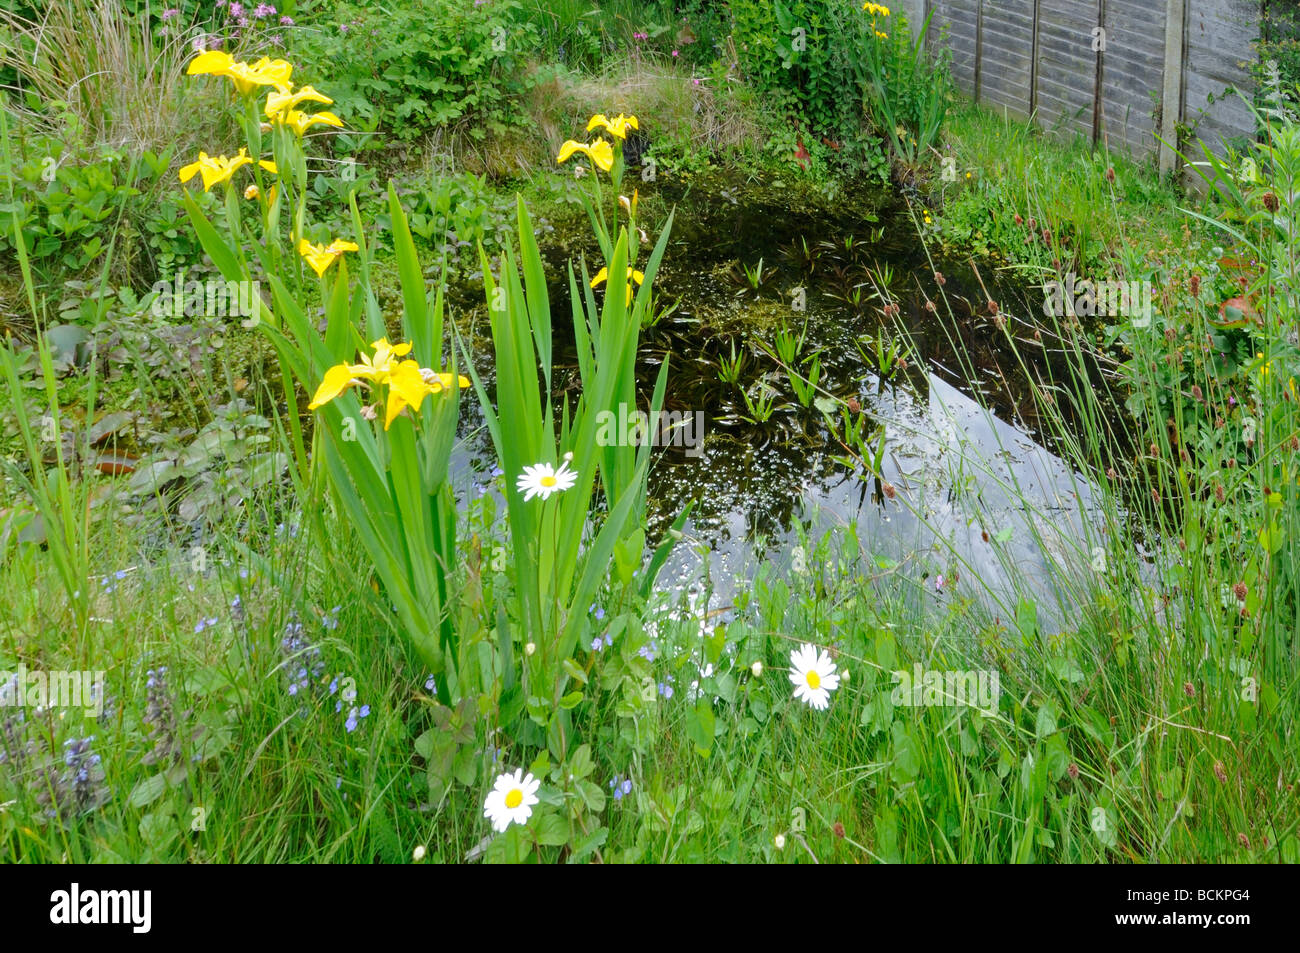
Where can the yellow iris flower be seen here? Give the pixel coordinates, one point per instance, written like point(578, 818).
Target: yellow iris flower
point(617, 127)
point(265, 72)
point(378, 368)
point(876, 9)
point(600, 152)
point(218, 169)
point(277, 103)
point(375, 369)
point(632, 275)
point(408, 383)
point(299, 122)
point(320, 257)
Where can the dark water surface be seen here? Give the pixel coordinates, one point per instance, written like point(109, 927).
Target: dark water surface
point(977, 493)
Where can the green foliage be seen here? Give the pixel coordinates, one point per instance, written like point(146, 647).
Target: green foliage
point(68, 204)
point(824, 62)
point(409, 68)
point(1011, 196)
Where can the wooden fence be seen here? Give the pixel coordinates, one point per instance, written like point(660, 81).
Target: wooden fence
point(1122, 72)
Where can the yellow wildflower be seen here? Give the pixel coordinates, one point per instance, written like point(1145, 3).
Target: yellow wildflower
point(876, 9)
point(299, 122)
point(218, 169)
point(265, 72)
point(617, 127)
point(277, 103)
point(632, 275)
point(600, 152)
point(320, 257)
point(408, 383)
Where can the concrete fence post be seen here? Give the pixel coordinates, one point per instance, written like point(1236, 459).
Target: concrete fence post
point(1171, 97)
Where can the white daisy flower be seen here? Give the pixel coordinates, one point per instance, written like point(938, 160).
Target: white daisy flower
point(543, 480)
point(511, 800)
point(813, 675)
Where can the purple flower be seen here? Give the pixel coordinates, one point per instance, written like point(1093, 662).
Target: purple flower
point(286, 21)
point(430, 685)
point(600, 613)
point(597, 644)
point(170, 14)
point(351, 723)
point(236, 11)
point(674, 53)
point(665, 690)
point(264, 10)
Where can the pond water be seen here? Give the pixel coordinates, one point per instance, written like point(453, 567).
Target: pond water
point(964, 452)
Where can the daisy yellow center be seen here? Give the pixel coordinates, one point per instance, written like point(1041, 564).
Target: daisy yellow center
point(549, 481)
point(514, 798)
point(814, 680)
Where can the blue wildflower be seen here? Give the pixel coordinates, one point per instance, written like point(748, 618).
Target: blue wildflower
point(307, 666)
